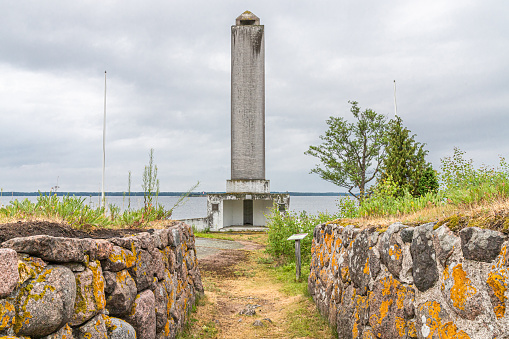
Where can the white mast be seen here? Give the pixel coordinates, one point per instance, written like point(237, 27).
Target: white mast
point(104, 144)
point(395, 106)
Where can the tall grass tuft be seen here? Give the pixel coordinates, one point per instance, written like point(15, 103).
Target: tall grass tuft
point(463, 184)
point(78, 214)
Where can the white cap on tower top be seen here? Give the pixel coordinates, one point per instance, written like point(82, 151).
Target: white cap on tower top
point(247, 18)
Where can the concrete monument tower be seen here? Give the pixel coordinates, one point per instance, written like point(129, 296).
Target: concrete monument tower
point(247, 99)
point(247, 200)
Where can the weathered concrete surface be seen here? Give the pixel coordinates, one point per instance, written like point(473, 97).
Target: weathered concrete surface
point(247, 102)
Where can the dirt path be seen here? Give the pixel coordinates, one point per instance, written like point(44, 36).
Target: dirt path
point(243, 299)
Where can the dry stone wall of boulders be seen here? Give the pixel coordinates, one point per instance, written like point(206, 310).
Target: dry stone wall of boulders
point(140, 286)
point(411, 282)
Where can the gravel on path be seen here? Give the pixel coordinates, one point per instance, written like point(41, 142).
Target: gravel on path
point(206, 247)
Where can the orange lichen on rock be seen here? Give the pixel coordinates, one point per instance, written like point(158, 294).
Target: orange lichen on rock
point(361, 306)
point(411, 330)
point(497, 282)
point(98, 284)
point(401, 326)
point(450, 331)
point(339, 242)
point(345, 274)
point(435, 325)
point(433, 318)
point(7, 315)
point(366, 266)
point(395, 252)
point(462, 288)
point(328, 242)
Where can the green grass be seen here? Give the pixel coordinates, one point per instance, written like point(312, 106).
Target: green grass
point(74, 211)
point(304, 321)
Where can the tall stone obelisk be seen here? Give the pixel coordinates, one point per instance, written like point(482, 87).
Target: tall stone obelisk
point(247, 102)
point(247, 201)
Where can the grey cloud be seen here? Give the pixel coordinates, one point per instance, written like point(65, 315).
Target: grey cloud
point(169, 85)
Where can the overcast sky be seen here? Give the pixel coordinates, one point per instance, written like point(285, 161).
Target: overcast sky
point(168, 86)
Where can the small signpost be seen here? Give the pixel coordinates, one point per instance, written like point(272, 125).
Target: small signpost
point(297, 237)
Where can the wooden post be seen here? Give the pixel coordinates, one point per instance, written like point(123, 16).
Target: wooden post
point(297, 238)
point(297, 259)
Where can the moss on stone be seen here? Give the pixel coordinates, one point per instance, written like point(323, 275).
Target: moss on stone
point(22, 315)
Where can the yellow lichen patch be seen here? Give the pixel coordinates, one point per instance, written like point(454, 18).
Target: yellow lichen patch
point(319, 255)
point(400, 326)
point(166, 329)
point(97, 284)
point(366, 266)
point(412, 332)
point(503, 260)
point(388, 283)
point(333, 262)
point(25, 272)
point(401, 294)
point(450, 331)
point(122, 276)
point(339, 242)
point(25, 295)
point(7, 315)
point(345, 274)
point(384, 310)
point(131, 258)
point(433, 320)
point(328, 242)
point(90, 295)
point(361, 304)
point(395, 252)
point(368, 334)
point(462, 288)
point(133, 307)
point(497, 281)
point(355, 330)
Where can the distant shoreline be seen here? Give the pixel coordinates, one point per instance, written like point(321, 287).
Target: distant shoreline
point(137, 194)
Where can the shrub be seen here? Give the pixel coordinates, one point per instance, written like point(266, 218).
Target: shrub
point(463, 184)
point(283, 225)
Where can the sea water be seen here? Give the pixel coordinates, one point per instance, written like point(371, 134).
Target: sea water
point(196, 207)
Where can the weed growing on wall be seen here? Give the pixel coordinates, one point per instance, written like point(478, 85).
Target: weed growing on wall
point(150, 183)
point(463, 184)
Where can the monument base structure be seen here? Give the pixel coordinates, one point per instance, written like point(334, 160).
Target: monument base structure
point(245, 206)
point(240, 209)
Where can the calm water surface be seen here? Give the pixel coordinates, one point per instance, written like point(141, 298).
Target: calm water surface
point(196, 207)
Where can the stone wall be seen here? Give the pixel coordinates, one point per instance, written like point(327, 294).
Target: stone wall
point(140, 286)
point(411, 282)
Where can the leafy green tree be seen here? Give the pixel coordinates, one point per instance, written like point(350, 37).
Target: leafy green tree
point(351, 153)
point(405, 162)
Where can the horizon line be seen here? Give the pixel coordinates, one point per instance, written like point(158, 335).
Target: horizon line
point(141, 193)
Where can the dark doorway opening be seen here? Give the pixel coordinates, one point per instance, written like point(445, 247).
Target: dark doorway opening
point(248, 212)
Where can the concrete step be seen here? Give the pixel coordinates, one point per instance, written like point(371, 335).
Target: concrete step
point(244, 228)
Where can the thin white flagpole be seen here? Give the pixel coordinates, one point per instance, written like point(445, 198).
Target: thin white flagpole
point(104, 144)
point(395, 106)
